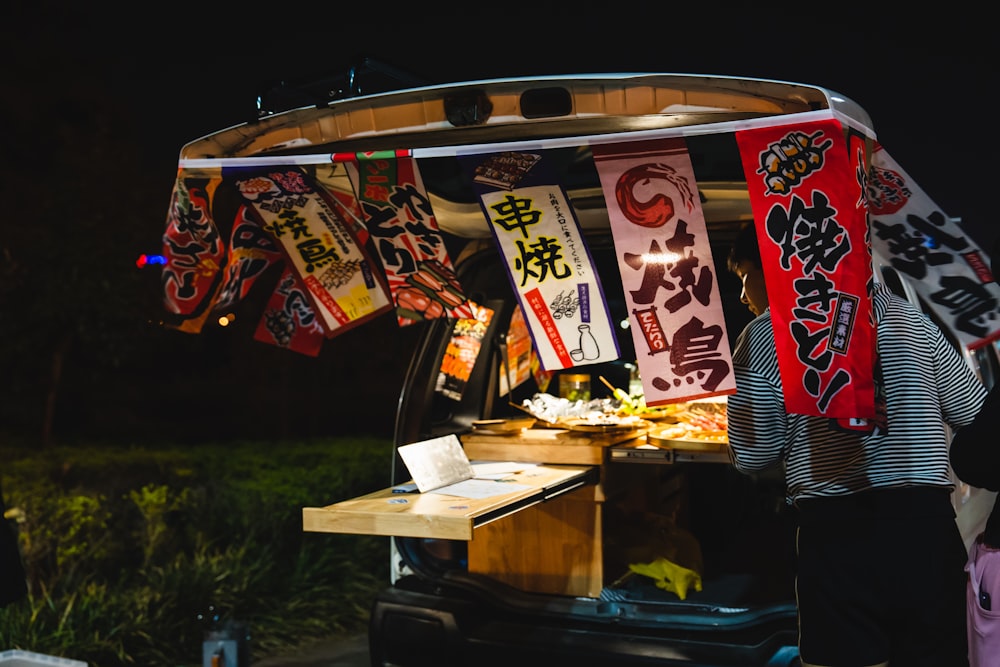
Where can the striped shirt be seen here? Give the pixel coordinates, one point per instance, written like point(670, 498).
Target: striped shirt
point(929, 388)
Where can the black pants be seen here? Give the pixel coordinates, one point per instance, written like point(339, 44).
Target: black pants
point(881, 577)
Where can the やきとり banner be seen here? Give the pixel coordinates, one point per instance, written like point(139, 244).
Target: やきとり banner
point(811, 221)
point(399, 220)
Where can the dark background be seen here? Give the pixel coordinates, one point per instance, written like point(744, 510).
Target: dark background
point(96, 103)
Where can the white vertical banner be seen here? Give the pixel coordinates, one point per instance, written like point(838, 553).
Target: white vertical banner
point(547, 261)
point(948, 270)
point(665, 260)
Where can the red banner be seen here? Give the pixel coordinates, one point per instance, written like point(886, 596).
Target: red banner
point(289, 320)
point(194, 251)
point(251, 252)
point(808, 200)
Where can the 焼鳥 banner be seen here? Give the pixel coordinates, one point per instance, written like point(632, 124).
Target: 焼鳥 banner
point(342, 285)
point(666, 265)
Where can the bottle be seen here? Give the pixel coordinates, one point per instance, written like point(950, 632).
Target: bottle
point(588, 344)
point(574, 387)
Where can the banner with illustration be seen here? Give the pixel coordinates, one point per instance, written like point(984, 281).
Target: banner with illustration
point(949, 271)
point(546, 258)
point(399, 219)
point(666, 266)
point(462, 352)
point(194, 251)
point(251, 252)
point(343, 286)
point(812, 224)
point(289, 320)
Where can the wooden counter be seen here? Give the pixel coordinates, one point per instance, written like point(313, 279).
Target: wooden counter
point(436, 515)
point(545, 538)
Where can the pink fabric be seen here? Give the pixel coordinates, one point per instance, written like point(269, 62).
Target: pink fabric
point(984, 626)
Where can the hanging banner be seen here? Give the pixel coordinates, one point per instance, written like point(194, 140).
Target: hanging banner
point(194, 250)
point(337, 273)
point(289, 321)
point(667, 270)
point(811, 221)
point(332, 179)
point(515, 362)
point(251, 252)
point(462, 352)
point(547, 261)
point(949, 271)
point(398, 216)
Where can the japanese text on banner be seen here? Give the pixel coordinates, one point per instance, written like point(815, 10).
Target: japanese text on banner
point(667, 270)
point(399, 219)
point(547, 261)
point(195, 250)
point(337, 273)
point(948, 269)
point(808, 201)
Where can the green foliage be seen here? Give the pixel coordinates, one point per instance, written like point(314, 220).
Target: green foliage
point(134, 553)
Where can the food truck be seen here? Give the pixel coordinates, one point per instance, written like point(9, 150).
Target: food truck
point(561, 485)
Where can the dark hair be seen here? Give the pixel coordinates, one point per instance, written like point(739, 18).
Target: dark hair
point(744, 248)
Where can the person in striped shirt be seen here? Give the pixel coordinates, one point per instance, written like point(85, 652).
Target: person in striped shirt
point(880, 560)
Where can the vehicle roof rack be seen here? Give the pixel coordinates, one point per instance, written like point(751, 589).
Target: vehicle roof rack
point(366, 76)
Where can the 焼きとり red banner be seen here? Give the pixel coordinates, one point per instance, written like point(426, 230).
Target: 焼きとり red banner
point(811, 221)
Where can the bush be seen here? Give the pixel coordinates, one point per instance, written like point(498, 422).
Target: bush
point(134, 553)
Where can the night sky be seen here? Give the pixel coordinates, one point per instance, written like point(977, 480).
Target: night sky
point(179, 73)
point(98, 102)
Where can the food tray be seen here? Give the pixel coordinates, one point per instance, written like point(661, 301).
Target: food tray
point(692, 444)
point(502, 426)
point(597, 426)
point(717, 441)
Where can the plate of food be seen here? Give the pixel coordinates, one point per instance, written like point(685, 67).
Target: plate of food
point(502, 426)
point(688, 436)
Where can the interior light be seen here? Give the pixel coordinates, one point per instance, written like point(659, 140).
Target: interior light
point(660, 257)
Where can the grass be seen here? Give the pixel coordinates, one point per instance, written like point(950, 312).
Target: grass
point(134, 553)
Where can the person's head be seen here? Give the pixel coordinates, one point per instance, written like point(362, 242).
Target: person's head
point(744, 261)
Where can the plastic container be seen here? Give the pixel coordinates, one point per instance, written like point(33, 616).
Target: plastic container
point(574, 387)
